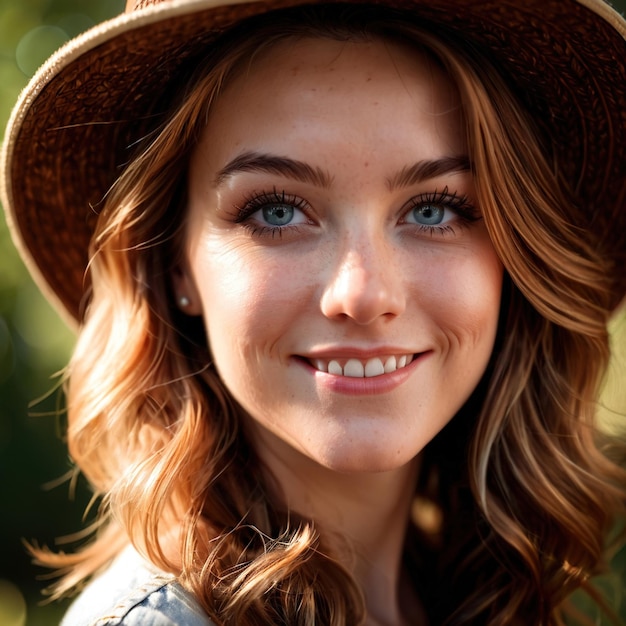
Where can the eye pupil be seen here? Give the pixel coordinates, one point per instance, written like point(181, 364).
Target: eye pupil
point(429, 214)
point(278, 214)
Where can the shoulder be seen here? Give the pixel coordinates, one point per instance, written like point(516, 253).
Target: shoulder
point(130, 592)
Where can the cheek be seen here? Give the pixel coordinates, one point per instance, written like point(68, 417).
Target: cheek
point(248, 298)
point(482, 296)
point(468, 296)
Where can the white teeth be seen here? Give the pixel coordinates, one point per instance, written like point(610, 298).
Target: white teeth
point(354, 368)
point(390, 365)
point(320, 365)
point(335, 368)
point(374, 367)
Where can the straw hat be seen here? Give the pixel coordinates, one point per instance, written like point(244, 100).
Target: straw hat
point(65, 141)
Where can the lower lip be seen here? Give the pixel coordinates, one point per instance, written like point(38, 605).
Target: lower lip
point(372, 386)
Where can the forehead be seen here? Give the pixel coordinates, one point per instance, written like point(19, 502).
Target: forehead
point(297, 60)
point(323, 91)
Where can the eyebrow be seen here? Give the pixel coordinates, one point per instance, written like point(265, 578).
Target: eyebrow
point(298, 170)
point(258, 162)
point(425, 170)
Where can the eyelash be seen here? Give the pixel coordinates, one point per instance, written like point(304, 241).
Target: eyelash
point(460, 204)
point(255, 202)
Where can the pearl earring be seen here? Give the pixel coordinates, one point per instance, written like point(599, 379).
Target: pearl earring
point(183, 302)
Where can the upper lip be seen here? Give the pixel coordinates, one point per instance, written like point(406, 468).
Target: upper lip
point(347, 352)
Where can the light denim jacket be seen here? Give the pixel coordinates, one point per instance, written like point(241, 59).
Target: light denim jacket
point(131, 592)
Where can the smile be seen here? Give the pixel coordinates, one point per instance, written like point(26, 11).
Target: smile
point(361, 368)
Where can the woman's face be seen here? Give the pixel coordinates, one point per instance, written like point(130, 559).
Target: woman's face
point(348, 285)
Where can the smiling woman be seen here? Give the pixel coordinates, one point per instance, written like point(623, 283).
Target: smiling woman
point(306, 261)
point(347, 305)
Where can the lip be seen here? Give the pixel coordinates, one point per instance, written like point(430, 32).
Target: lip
point(374, 385)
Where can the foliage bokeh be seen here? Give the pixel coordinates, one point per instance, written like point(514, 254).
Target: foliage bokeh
point(35, 344)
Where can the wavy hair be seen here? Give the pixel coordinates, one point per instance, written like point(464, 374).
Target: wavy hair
point(526, 505)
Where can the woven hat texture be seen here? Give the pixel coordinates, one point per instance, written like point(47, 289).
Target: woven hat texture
point(70, 130)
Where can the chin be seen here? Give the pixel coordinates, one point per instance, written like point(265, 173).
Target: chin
point(367, 460)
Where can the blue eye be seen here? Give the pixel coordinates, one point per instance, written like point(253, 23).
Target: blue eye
point(278, 214)
point(440, 212)
point(273, 213)
point(429, 214)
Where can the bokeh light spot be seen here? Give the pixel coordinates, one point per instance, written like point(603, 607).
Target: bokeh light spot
point(12, 605)
point(37, 45)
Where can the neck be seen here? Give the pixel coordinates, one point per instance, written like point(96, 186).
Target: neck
point(363, 518)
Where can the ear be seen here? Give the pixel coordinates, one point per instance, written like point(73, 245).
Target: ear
point(185, 291)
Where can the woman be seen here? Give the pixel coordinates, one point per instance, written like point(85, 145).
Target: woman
point(344, 322)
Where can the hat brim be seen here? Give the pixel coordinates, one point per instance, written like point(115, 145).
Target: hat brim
point(566, 58)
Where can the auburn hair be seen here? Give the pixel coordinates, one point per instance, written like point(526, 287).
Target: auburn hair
point(524, 491)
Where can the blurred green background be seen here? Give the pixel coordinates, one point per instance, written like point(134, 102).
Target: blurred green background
point(35, 344)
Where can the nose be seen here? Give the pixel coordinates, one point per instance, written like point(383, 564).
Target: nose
point(365, 285)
